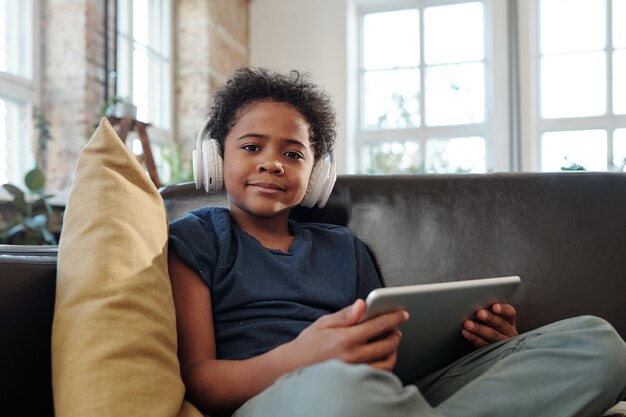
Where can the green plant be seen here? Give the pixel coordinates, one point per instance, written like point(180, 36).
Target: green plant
point(573, 166)
point(37, 222)
point(43, 127)
point(178, 170)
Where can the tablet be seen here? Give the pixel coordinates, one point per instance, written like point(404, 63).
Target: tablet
point(431, 338)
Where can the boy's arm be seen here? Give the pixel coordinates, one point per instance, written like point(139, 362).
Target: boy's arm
point(222, 385)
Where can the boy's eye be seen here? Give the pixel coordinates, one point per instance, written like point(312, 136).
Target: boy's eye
point(294, 155)
point(250, 147)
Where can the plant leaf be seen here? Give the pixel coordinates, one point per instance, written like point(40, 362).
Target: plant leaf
point(35, 179)
point(14, 191)
point(36, 222)
point(19, 202)
point(48, 236)
point(13, 231)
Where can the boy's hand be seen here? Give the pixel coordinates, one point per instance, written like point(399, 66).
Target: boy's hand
point(343, 336)
point(492, 325)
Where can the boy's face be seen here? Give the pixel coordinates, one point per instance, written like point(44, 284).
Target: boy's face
point(268, 160)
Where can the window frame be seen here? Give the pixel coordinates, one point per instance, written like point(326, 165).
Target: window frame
point(26, 93)
point(497, 95)
point(160, 135)
point(530, 81)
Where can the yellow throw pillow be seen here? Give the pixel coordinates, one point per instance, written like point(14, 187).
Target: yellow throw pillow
point(114, 329)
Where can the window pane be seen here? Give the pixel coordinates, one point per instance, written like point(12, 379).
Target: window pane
point(585, 148)
point(619, 82)
point(141, 23)
point(457, 155)
point(393, 158)
point(455, 94)
point(159, 94)
point(453, 33)
point(619, 149)
point(4, 140)
point(160, 34)
point(15, 153)
point(142, 62)
point(619, 28)
point(141, 81)
point(124, 75)
point(15, 37)
point(573, 85)
point(391, 39)
point(123, 17)
point(391, 99)
point(563, 21)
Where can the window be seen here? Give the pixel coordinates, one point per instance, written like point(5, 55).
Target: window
point(424, 94)
point(581, 77)
point(18, 87)
point(458, 86)
point(143, 73)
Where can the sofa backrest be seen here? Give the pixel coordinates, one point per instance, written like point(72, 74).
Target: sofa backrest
point(563, 233)
point(27, 287)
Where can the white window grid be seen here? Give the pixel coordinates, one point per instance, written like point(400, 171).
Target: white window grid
point(20, 90)
point(498, 154)
point(608, 122)
point(157, 48)
point(534, 125)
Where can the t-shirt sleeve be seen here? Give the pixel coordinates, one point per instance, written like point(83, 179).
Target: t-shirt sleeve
point(194, 241)
point(368, 278)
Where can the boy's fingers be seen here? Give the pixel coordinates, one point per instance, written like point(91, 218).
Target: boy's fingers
point(502, 323)
point(387, 363)
point(344, 317)
point(486, 333)
point(380, 349)
point(505, 310)
point(381, 325)
point(475, 340)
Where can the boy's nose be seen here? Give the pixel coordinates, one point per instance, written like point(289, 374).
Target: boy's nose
point(273, 166)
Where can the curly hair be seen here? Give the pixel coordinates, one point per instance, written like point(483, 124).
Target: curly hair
point(250, 84)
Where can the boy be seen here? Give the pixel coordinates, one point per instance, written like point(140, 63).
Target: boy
point(261, 300)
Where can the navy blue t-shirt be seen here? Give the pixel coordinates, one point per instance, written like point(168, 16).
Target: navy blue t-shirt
point(262, 297)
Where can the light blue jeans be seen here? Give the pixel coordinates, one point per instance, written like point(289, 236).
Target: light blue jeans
point(575, 367)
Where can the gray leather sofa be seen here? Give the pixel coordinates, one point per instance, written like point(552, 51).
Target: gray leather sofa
point(564, 234)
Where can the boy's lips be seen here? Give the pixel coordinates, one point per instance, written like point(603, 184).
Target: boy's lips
point(267, 186)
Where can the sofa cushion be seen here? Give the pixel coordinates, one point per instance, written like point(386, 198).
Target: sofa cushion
point(114, 329)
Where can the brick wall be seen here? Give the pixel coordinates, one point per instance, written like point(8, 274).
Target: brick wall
point(210, 40)
point(72, 80)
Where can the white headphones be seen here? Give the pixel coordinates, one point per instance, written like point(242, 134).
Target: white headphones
point(208, 171)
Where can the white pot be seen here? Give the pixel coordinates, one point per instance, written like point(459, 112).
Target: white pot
point(123, 109)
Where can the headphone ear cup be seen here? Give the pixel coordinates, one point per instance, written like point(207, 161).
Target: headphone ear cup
point(307, 200)
point(211, 163)
point(320, 185)
point(196, 162)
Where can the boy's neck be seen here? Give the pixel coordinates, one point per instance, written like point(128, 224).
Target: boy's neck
point(273, 232)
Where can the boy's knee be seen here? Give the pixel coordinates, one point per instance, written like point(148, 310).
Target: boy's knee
point(334, 388)
point(611, 355)
point(361, 390)
point(603, 349)
point(603, 338)
point(350, 381)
